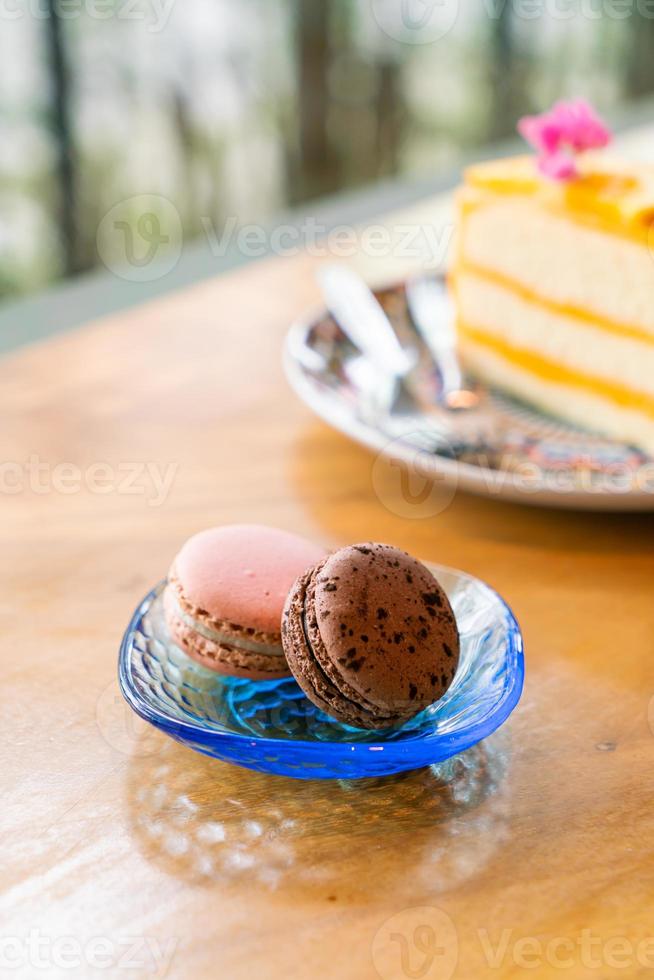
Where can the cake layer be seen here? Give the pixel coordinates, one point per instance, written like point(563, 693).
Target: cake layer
point(619, 367)
point(610, 192)
point(581, 406)
point(582, 269)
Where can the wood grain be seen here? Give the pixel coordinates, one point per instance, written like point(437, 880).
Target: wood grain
point(543, 835)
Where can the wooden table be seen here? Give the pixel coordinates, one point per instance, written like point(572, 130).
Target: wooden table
point(528, 856)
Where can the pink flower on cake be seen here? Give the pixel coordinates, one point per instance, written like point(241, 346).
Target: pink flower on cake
point(568, 128)
point(557, 166)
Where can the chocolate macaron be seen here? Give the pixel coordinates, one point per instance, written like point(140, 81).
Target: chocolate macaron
point(225, 595)
point(370, 636)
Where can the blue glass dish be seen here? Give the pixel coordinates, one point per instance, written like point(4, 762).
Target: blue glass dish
point(272, 727)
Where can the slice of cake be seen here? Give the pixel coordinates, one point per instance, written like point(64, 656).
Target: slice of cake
point(553, 282)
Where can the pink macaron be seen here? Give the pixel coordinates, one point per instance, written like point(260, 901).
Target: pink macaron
point(226, 592)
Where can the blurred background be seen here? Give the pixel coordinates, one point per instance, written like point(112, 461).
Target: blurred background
point(242, 108)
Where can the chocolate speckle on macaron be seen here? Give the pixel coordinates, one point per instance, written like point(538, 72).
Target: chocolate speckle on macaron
point(366, 633)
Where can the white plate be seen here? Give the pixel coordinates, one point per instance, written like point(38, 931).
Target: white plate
point(545, 462)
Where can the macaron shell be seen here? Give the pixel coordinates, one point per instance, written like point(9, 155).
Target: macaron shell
point(243, 572)
point(310, 676)
point(187, 609)
point(386, 625)
point(219, 657)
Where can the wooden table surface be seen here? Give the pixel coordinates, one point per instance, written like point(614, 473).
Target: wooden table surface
point(124, 853)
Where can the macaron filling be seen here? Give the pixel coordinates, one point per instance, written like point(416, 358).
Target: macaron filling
point(224, 639)
point(329, 689)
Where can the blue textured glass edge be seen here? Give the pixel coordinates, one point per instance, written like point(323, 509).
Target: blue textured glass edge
point(408, 754)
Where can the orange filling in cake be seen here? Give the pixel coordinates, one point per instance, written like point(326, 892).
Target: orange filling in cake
point(549, 370)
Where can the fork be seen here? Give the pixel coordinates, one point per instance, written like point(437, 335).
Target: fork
point(431, 315)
